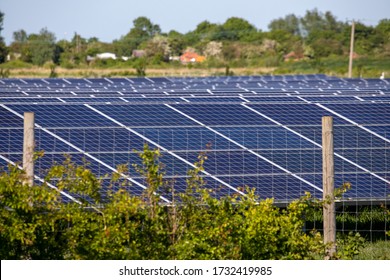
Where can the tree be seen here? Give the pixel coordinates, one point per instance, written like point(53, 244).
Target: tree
point(206, 30)
point(1, 21)
point(213, 49)
point(144, 25)
point(383, 31)
point(42, 47)
point(383, 28)
point(324, 34)
point(158, 49)
point(78, 44)
point(176, 42)
point(284, 42)
point(31, 216)
point(143, 30)
point(140, 66)
point(19, 46)
point(3, 47)
point(366, 38)
point(323, 47)
point(236, 28)
point(321, 32)
point(290, 23)
point(315, 21)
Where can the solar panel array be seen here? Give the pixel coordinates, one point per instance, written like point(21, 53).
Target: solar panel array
point(259, 131)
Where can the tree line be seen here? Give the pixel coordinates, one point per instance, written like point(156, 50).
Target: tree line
point(315, 35)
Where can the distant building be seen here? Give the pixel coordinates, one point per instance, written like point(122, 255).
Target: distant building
point(106, 56)
point(174, 58)
point(13, 56)
point(191, 57)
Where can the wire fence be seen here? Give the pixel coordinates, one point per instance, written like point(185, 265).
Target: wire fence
point(279, 162)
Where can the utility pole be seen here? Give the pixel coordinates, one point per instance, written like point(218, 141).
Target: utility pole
point(329, 209)
point(77, 43)
point(351, 49)
point(28, 147)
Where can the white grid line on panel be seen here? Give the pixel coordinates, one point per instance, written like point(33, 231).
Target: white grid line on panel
point(162, 148)
point(83, 152)
point(352, 122)
point(318, 145)
point(245, 148)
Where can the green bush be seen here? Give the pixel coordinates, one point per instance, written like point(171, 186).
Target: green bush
point(111, 223)
point(14, 64)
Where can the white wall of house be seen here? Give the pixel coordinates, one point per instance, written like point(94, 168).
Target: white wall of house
point(106, 56)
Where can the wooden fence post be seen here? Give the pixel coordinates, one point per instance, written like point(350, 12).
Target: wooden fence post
point(28, 147)
point(329, 209)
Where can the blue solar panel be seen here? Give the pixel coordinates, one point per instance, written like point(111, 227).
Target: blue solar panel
point(190, 138)
point(266, 137)
point(275, 99)
point(259, 131)
point(365, 113)
point(222, 114)
point(29, 100)
point(143, 115)
point(7, 119)
point(309, 114)
point(89, 100)
point(382, 130)
point(63, 115)
point(331, 98)
point(11, 141)
point(101, 139)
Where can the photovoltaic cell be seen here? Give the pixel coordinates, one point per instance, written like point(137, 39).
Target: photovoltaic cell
point(363, 113)
point(222, 114)
point(63, 115)
point(309, 114)
point(143, 115)
point(257, 131)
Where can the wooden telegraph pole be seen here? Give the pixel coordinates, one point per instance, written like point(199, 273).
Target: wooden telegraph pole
point(351, 50)
point(328, 186)
point(28, 147)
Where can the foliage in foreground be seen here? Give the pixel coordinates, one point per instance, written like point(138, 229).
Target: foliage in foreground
point(376, 251)
point(36, 222)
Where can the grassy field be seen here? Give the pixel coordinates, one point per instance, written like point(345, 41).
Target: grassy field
point(362, 67)
point(375, 251)
point(334, 66)
point(42, 72)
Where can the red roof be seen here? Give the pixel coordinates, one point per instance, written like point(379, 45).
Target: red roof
point(191, 57)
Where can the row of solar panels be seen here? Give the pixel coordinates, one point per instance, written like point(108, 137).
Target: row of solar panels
point(77, 115)
point(200, 99)
point(245, 145)
point(265, 141)
point(245, 84)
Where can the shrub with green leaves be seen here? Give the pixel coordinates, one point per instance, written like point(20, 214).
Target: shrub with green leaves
point(111, 223)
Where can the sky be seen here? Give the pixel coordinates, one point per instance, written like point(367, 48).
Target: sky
point(110, 19)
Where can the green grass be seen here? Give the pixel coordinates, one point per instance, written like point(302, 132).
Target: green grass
point(379, 250)
point(338, 66)
point(334, 66)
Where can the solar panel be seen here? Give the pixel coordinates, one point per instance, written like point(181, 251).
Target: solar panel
point(259, 131)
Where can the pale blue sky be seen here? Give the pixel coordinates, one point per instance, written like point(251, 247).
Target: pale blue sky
point(110, 19)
